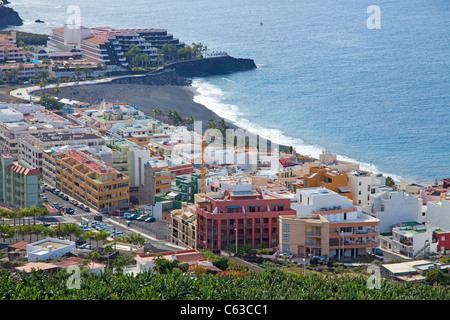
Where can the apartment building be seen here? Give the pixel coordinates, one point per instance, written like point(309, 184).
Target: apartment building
point(8, 48)
point(184, 226)
point(32, 145)
point(90, 181)
point(392, 207)
point(108, 45)
point(19, 185)
point(24, 70)
point(186, 186)
point(238, 214)
point(328, 178)
point(327, 224)
point(438, 213)
point(410, 238)
point(362, 184)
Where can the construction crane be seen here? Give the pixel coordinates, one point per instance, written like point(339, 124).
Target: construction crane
point(203, 167)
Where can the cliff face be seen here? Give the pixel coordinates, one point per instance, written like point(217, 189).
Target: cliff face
point(177, 73)
point(9, 17)
point(211, 66)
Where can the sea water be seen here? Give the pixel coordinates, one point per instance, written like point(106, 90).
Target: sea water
point(325, 79)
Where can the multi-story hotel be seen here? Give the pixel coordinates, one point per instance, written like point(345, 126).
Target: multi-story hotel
point(90, 181)
point(238, 214)
point(327, 224)
point(19, 183)
point(108, 46)
point(9, 49)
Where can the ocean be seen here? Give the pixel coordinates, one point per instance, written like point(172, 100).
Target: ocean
point(325, 80)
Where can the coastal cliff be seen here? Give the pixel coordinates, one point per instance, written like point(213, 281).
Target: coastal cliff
point(9, 17)
point(210, 66)
point(177, 73)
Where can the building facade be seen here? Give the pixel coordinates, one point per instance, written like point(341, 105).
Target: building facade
point(90, 181)
point(19, 185)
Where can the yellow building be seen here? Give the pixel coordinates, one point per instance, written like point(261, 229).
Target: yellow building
point(90, 181)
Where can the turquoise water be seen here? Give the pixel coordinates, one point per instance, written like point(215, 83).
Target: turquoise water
point(324, 80)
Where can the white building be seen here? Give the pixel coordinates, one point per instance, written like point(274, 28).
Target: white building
point(49, 248)
point(8, 114)
point(410, 239)
point(393, 207)
point(362, 185)
point(438, 213)
point(321, 199)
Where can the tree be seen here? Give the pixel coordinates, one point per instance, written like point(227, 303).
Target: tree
point(389, 182)
point(50, 103)
point(108, 250)
point(438, 277)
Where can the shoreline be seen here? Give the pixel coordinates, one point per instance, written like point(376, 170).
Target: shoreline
point(181, 98)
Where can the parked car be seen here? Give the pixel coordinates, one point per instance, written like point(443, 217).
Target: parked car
point(377, 251)
point(56, 205)
point(70, 211)
point(151, 219)
point(73, 202)
point(44, 198)
point(80, 205)
point(98, 218)
point(87, 209)
point(65, 198)
point(114, 213)
point(142, 217)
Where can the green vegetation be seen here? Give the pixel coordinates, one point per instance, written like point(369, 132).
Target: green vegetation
point(389, 181)
point(50, 102)
point(169, 53)
point(29, 39)
point(269, 284)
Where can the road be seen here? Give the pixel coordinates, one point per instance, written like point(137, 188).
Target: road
point(156, 232)
point(26, 92)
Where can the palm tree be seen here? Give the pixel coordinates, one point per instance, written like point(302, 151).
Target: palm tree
point(157, 112)
point(389, 182)
point(211, 124)
point(108, 250)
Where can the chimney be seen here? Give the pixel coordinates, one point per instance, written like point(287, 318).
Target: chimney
point(49, 248)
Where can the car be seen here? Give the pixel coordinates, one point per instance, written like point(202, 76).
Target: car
point(377, 251)
point(70, 211)
point(44, 198)
point(65, 198)
point(56, 205)
point(80, 242)
point(80, 205)
point(151, 219)
point(98, 218)
point(133, 217)
point(142, 217)
point(87, 209)
point(114, 213)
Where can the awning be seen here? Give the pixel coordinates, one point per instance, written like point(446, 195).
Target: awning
point(172, 194)
point(344, 189)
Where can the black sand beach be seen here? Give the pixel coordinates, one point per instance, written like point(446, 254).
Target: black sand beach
point(145, 97)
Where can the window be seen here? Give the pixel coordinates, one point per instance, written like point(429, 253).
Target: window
point(286, 227)
point(286, 238)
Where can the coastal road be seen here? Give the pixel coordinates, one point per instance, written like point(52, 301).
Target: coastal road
point(26, 92)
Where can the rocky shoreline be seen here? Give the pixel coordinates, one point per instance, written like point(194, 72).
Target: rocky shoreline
point(9, 17)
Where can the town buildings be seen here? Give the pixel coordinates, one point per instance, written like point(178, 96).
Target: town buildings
point(327, 224)
point(90, 181)
point(239, 215)
point(19, 183)
point(109, 46)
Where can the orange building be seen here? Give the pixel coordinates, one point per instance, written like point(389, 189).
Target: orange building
point(325, 177)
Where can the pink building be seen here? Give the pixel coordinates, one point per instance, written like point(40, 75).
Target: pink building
point(242, 216)
point(432, 194)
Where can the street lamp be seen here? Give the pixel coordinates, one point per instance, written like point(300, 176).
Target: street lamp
point(236, 240)
point(304, 266)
